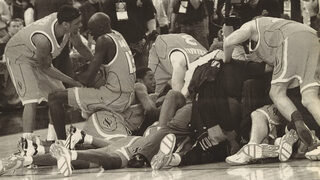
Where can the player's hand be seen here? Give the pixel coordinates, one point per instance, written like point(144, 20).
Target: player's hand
point(251, 56)
point(215, 133)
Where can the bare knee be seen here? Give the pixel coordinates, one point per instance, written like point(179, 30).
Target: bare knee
point(308, 99)
point(277, 92)
point(174, 95)
point(258, 117)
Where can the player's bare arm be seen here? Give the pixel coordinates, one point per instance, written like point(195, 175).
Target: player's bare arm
point(144, 98)
point(179, 65)
point(235, 38)
point(43, 55)
point(104, 53)
point(80, 47)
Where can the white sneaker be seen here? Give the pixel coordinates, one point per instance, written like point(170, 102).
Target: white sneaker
point(164, 156)
point(314, 155)
point(10, 163)
point(286, 143)
point(63, 156)
point(251, 152)
point(30, 146)
point(76, 136)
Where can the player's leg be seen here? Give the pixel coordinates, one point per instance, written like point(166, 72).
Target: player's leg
point(173, 101)
point(28, 118)
point(56, 102)
point(310, 99)
point(259, 128)
point(278, 94)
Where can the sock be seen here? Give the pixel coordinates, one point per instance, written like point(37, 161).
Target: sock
point(40, 150)
point(277, 141)
point(74, 155)
point(296, 116)
point(27, 135)
point(88, 139)
point(27, 160)
point(51, 136)
point(176, 160)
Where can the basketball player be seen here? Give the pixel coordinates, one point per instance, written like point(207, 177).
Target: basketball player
point(114, 59)
point(29, 55)
point(292, 49)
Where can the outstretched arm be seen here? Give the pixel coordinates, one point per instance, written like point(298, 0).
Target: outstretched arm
point(44, 57)
point(179, 65)
point(235, 38)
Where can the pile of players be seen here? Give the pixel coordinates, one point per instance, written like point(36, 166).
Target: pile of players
point(188, 107)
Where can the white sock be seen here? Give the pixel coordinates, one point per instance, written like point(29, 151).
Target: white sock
point(27, 135)
point(74, 155)
point(40, 150)
point(88, 139)
point(51, 136)
point(27, 160)
point(176, 160)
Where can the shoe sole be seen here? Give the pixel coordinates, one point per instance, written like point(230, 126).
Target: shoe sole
point(259, 151)
point(163, 156)
point(63, 160)
point(255, 152)
point(18, 164)
point(286, 143)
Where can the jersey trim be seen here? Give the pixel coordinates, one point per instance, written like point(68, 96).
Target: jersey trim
point(259, 38)
point(184, 53)
point(45, 34)
point(117, 51)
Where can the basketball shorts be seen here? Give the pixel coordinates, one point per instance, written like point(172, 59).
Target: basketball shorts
point(297, 61)
point(31, 83)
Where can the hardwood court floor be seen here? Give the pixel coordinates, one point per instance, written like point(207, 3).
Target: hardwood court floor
point(292, 170)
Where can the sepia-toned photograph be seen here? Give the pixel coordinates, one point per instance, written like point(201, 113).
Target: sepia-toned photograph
point(160, 89)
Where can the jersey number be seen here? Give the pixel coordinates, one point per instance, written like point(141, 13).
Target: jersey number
point(189, 40)
point(130, 59)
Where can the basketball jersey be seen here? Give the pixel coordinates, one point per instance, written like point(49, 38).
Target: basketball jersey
point(272, 32)
point(164, 46)
point(121, 71)
point(23, 42)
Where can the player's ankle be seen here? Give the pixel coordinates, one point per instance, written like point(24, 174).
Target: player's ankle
point(296, 117)
point(176, 160)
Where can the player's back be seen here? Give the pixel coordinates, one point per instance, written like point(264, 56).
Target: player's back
point(159, 58)
point(120, 72)
point(272, 32)
point(22, 43)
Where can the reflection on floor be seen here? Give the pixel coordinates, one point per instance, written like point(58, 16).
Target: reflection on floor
point(291, 170)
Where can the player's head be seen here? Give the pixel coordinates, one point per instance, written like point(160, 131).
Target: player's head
point(146, 76)
point(99, 24)
point(70, 18)
point(14, 26)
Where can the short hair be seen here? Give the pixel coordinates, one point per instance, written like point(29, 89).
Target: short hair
point(141, 72)
point(67, 13)
point(15, 20)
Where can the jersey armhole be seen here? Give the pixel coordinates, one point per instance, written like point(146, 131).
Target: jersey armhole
point(38, 32)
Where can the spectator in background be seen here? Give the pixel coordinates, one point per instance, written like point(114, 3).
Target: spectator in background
point(7, 92)
point(43, 8)
point(192, 16)
point(313, 8)
point(87, 9)
point(28, 13)
point(161, 15)
point(5, 16)
point(134, 19)
point(15, 9)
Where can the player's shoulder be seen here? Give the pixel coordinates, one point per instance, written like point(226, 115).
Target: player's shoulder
point(40, 40)
point(104, 41)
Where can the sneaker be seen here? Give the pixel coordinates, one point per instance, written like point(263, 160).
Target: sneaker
point(164, 156)
point(314, 155)
point(286, 143)
point(63, 156)
point(252, 152)
point(76, 136)
point(10, 163)
point(29, 146)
